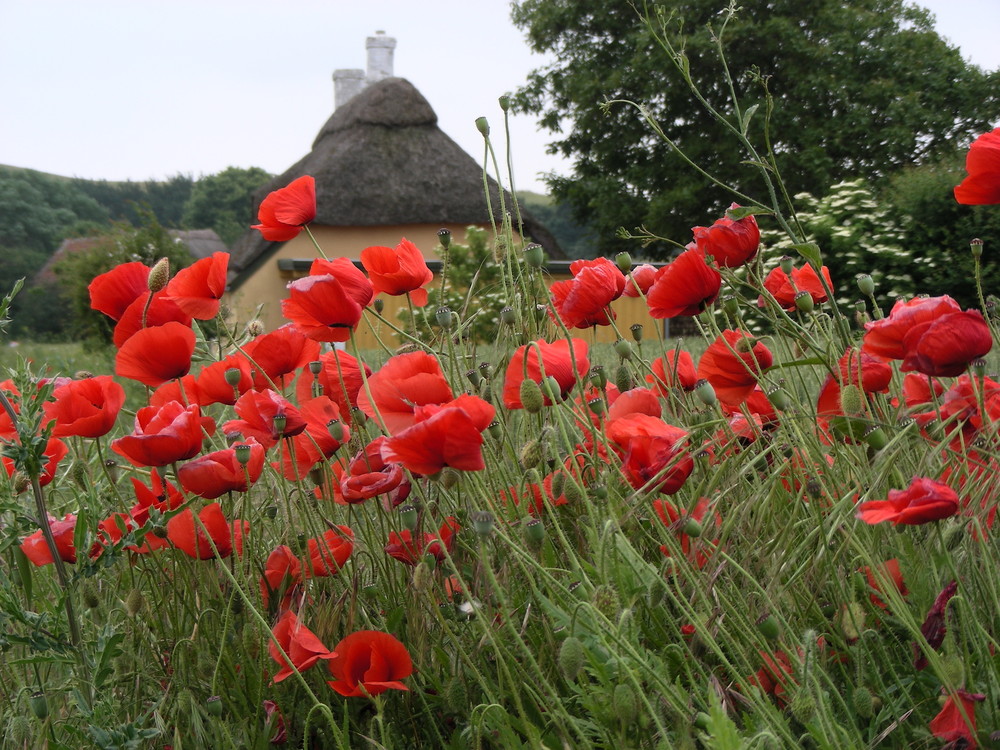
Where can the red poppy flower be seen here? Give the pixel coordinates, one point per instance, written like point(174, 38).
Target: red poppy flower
point(266, 416)
point(685, 286)
point(213, 384)
point(888, 571)
point(732, 363)
point(320, 308)
point(369, 663)
point(558, 360)
point(185, 390)
point(7, 429)
point(284, 212)
point(675, 369)
point(398, 270)
point(138, 316)
point(198, 288)
point(696, 550)
point(956, 722)
point(155, 355)
point(214, 474)
point(211, 532)
point(871, 374)
point(945, 346)
point(35, 548)
point(339, 379)
point(449, 437)
point(884, 337)
point(160, 495)
point(982, 186)
point(315, 443)
point(85, 408)
point(730, 243)
point(370, 475)
point(923, 501)
point(162, 435)
point(55, 451)
point(635, 401)
point(299, 647)
point(282, 572)
point(934, 627)
point(275, 356)
point(784, 288)
point(639, 280)
point(402, 383)
point(329, 552)
point(655, 453)
point(584, 300)
point(112, 292)
point(775, 677)
point(406, 548)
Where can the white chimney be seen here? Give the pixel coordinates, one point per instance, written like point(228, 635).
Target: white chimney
point(380, 50)
point(347, 83)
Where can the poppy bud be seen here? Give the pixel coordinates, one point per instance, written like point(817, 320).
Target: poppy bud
point(21, 482)
point(534, 256)
point(379, 304)
point(702, 721)
point(705, 392)
point(558, 482)
point(768, 627)
point(625, 703)
point(482, 522)
point(863, 701)
point(597, 377)
point(606, 601)
point(214, 706)
point(531, 454)
point(90, 597)
point(448, 477)
point(803, 706)
point(572, 491)
point(624, 262)
point(255, 328)
point(623, 378)
point(39, 705)
point(731, 306)
point(444, 317)
point(571, 658)
point(483, 126)
point(444, 237)
point(865, 284)
point(134, 602)
point(534, 533)
point(456, 696)
point(636, 329)
point(159, 275)
point(804, 302)
point(423, 574)
point(852, 402)
point(504, 102)
point(551, 389)
point(408, 516)
point(691, 527)
point(976, 246)
point(531, 396)
point(81, 477)
point(623, 349)
point(785, 263)
point(82, 374)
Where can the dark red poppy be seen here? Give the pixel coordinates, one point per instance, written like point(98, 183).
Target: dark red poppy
point(450, 437)
point(934, 627)
point(956, 722)
point(55, 451)
point(566, 361)
point(339, 379)
point(329, 552)
point(732, 363)
point(945, 346)
point(409, 549)
point(730, 243)
point(155, 355)
point(198, 288)
point(138, 316)
point(297, 647)
point(675, 369)
point(402, 383)
point(685, 286)
point(982, 186)
point(162, 435)
point(639, 280)
point(37, 550)
point(584, 300)
point(211, 532)
point(399, 270)
point(369, 663)
point(923, 501)
point(284, 212)
point(85, 408)
point(266, 416)
point(112, 292)
point(214, 474)
point(805, 279)
point(315, 443)
point(276, 356)
point(884, 337)
point(889, 572)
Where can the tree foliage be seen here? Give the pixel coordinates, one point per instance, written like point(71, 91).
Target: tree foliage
point(126, 201)
point(224, 201)
point(860, 89)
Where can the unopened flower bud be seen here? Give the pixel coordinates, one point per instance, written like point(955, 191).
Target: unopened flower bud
point(379, 304)
point(444, 237)
point(531, 396)
point(408, 516)
point(255, 328)
point(623, 378)
point(636, 329)
point(571, 658)
point(531, 454)
point(852, 401)
point(804, 302)
point(134, 602)
point(423, 575)
point(507, 316)
point(233, 376)
point(551, 389)
point(445, 317)
point(691, 528)
point(572, 491)
point(624, 262)
point(448, 477)
point(863, 701)
point(159, 275)
point(623, 349)
point(242, 451)
point(534, 256)
point(866, 285)
point(705, 392)
point(483, 126)
point(976, 246)
point(625, 703)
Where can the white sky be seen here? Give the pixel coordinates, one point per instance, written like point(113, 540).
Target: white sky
point(144, 89)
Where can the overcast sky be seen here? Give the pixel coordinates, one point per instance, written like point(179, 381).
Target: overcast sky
point(144, 89)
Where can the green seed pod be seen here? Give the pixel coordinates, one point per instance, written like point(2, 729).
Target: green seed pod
point(692, 528)
point(571, 658)
point(504, 101)
point(636, 329)
point(779, 398)
point(785, 263)
point(534, 533)
point(624, 262)
point(596, 406)
point(486, 393)
point(875, 437)
point(482, 522)
point(731, 306)
point(279, 421)
point(358, 416)
point(507, 316)
point(598, 378)
point(534, 256)
point(445, 317)
point(379, 304)
point(444, 237)
point(768, 627)
point(39, 705)
point(214, 706)
point(474, 377)
point(804, 302)
point(531, 396)
point(495, 429)
point(705, 392)
point(242, 453)
point(623, 349)
point(483, 126)
point(976, 246)
point(409, 516)
point(866, 285)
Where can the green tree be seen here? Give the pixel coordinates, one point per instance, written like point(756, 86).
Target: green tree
point(860, 89)
point(224, 201)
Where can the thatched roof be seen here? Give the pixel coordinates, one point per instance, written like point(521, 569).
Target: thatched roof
point(200, 242)
point(381, 159)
